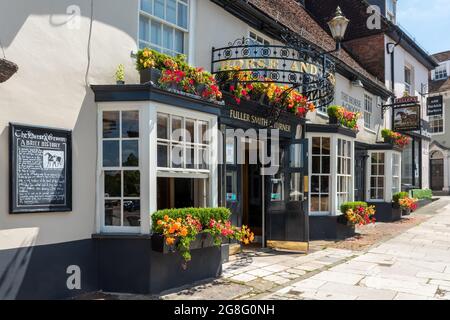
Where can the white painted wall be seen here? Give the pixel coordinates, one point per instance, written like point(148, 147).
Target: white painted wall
point(50, 90)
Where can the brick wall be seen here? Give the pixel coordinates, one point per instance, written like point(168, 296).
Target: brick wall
point(369, 51)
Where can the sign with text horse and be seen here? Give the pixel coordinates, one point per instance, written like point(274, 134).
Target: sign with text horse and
point(40, 169)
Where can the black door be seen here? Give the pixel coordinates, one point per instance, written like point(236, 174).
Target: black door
point(437, 174)
point(360, 174)
point(286, 199)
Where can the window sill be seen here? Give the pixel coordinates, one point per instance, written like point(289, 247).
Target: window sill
point(368, 130)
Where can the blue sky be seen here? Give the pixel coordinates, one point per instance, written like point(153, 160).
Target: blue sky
point(428, 21)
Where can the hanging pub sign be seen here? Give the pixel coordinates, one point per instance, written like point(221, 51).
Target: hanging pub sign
point(406, 114)
point(300, 65)
point(435, 106)
point(40, 169)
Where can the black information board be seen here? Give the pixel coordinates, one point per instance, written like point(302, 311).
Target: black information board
point(40, 169)
point(435, 106)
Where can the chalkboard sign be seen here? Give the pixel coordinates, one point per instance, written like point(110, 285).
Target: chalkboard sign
point(40, 169)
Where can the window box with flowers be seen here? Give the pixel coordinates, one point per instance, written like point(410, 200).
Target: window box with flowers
point(183, 230)
point(354, 214)
point(341, 116)
point(242, 87)
point(395, 138)
point(173, 73)
point(408, 205)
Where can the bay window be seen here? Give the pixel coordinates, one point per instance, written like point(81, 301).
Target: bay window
point(396, 173)
point(320, 175)
point(121, 171)
point(344, 171)
point(163, 25)
point(377, 175)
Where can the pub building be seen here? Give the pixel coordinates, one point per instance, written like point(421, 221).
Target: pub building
point(98, 223)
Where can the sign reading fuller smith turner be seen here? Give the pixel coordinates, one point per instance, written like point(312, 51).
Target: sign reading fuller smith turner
point(40, 169)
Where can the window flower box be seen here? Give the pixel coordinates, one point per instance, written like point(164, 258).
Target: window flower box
point(150, 75)
point(203, 240)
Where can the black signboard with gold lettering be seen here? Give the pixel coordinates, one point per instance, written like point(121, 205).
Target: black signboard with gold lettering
point(40, 169)
point(406, 114)
point(435, 106)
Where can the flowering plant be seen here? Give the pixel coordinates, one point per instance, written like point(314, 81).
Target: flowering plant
point(180, 227)
point(408, 203)
point(358, 213)
point(246, 87)
point(176, 72)
point(396, 138)
point(344, 117)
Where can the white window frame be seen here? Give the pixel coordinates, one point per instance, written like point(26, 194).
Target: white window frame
point(148, 160)
point(100, 216)
point(347, 175)
point(368, 111)
point(397, 187)
point(334, 210)
point(377, 176)
point(409, 87)
point(388, 175)
point(186, 31)
point(437, 118)
point(265, 40)
point(320, 175)
point(441, 73)
point(391, 16)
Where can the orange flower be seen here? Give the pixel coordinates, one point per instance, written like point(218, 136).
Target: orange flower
point(183, 232)
point(170, 241)
point(166, 218)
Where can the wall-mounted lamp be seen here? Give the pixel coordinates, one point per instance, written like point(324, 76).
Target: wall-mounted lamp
point(338, 26)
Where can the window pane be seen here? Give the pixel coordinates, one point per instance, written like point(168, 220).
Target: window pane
point(177, 126)
point(326, 146)
point(190, 158)
point(315, 186)
point(113, 184)
point(324, 184)
point(179, 41)
point(190, 131)
point(325, 164)
point(132, 213)
point(324, 203)
point(163, 158)
point(130, 153)
point(316, 145)
point(131, 184)
point(177, 156)
point(163, 126)
point(316, 164)
point(156, 32)
point(159, 8)
point(182, 16)
point(147, 6)
point(171, 11)
point(167, 37)
point(204, 160)
point(111, 124)
point(111, 154)
point(130, 124)
point(204, 139)
point(374, 170)
point(315, 206)
point(144, 29)
point(113, 213)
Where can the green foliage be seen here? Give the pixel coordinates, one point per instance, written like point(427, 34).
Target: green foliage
point(352, 205)
point(120, 72)
point(422, 194)
point(399, 195)
point(204, 215)
point(386, 133)
point(148, 58)
point(333, 111)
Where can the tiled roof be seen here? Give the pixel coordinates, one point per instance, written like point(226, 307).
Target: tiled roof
point(292, 15)
point(440, 86)
point(442, 56)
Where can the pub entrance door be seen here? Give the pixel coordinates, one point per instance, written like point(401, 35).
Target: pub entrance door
point(286, 205)
point(437, 174)
point(360, 174)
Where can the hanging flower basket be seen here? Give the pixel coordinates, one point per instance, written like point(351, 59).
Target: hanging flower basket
point(7, 69)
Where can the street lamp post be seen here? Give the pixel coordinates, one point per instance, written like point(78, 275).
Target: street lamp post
point(338, 26)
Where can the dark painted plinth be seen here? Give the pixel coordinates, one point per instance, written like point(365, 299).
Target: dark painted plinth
point(386, 212)
point(131, 266)
point(40, 272)
point(423, 203)
point(329, 228)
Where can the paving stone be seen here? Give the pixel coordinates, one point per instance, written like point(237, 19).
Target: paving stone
point(261, 273)
point(319, 295)
point(287, 275)
point(407, 296)
point(276, 279)
point(308, 284)
point(298, 272)
point(309, 266)
point(275, 268)
point(338, 277)
point(261, 285)
point(244, 277)
point(427, 290)
point(362, 293)
point(434, 275)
